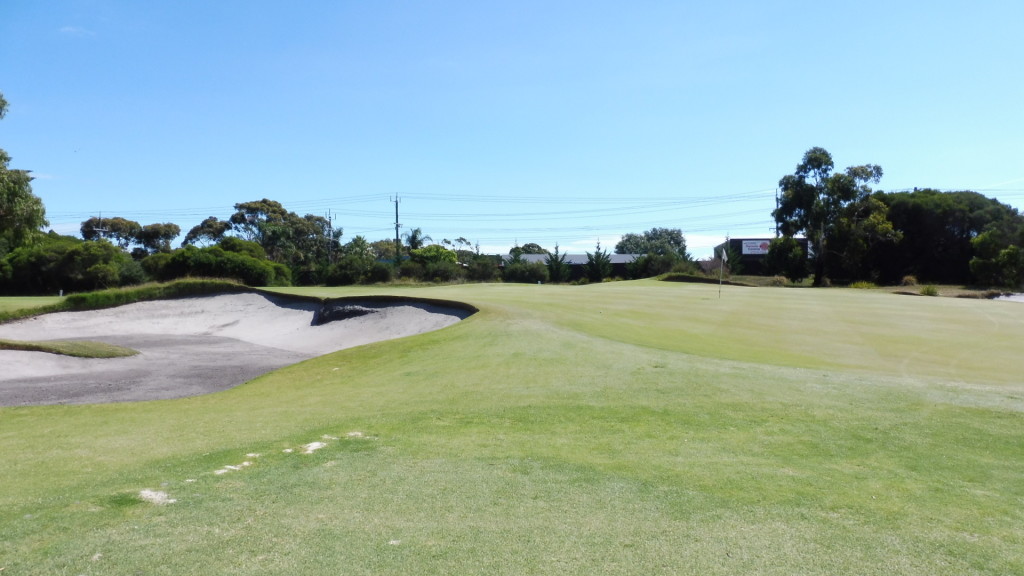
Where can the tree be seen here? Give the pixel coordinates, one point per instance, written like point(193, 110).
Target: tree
point(157, 237)
point(21, 212)
point(529, 248)
point(207, 232)
point(813, 199)
point(433, 253)
point(120, 231)
point(787, 258)
point(415, 239)
point(660, 241)
point(304, 244)
point(599, 264)
point(939, 230)
point(558, 269)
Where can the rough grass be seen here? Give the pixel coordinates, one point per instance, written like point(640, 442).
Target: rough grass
point(77, 348)
point(623, 428)
point(13, 308)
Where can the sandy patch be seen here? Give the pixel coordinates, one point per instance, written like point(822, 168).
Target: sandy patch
point(194, 346)
point(156, 497)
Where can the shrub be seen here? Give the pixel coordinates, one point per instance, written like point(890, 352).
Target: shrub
point(863, 285)
point(443, 271)
point(909, 280)
point(786, 257)
point(929, 290)
point(779, 281)
point(411, 270)
point(482, 269)
point(215, 262)
point(379, 272)
point(530, 273)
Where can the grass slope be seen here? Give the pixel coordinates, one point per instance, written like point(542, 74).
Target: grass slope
point(77, 348)
point(625, 428)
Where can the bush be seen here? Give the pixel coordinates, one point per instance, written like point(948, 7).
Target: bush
point(215, 262)
point(411, 270)
point(786, 257)
point(909, 280)
point(379, 273)
point(929, 290)
point(651, 265)
point(779, 281)
point(443, 271)
point(863, 285)
point(482, 269)
point(529, 273)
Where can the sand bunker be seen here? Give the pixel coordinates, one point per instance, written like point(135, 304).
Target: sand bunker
point(198, 345)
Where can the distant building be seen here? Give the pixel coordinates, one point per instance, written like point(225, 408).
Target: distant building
point(752, 254)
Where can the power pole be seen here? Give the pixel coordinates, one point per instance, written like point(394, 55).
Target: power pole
point(330, 238)
point(398, 242)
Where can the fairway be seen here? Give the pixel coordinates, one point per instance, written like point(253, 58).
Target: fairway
point(622, 428)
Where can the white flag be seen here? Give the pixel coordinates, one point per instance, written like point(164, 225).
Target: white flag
point(725, 255)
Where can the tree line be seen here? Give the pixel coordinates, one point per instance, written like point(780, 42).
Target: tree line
point(855, 233)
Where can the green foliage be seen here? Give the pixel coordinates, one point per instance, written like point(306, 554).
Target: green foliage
point(943, 232)
point(303, 244)
point(156, 291)
point(216, 262)
point(526, 272)
point(786, 257)
point(558, 269)
point(650, 265)
point(863, 285)
point(416, 239)
point(22, 213)
point(56, 263)
point(929, 290)
point(1006, 268)
point(443, 271)
point(599, 265)
point(815, 201)
point(209, 231)
point(483, 268)
point(528, 248)
point(433, 254)
point(658, 241)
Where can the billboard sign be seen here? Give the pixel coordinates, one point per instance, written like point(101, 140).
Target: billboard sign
point(755, 247)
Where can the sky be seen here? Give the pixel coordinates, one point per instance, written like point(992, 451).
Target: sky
point(503, 123)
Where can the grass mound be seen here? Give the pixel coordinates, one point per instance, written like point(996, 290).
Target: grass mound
point(121, 296)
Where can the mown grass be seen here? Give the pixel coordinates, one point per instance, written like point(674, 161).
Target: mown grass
point(76, 348)
point(625, 428)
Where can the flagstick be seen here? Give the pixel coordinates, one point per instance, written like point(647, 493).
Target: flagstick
point(721, 272)
point(721, 265)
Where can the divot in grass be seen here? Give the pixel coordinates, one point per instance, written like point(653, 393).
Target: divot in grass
point(157, 497)
point(312, 447)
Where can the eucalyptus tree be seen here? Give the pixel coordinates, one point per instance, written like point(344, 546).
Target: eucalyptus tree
point(813, 200)
point(22, 214)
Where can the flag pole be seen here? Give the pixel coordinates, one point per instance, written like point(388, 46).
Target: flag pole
point(721, 265)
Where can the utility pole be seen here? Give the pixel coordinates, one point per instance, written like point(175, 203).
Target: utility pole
point(330, 237)
point(398, 242)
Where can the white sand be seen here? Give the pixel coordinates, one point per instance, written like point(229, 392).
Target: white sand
point(192, 346)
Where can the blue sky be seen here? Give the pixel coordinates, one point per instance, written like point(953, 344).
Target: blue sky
point(503, 122)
